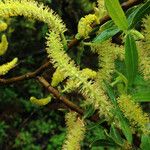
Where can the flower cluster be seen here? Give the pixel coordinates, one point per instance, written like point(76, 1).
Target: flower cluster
point(144, 50)
point(84, 25)
point(3, 45)
point(40, 102)
point(75, 133)
point(3, 26)
point(107, 58)
point(8, 66)
point(134, 113)
point(34, 10)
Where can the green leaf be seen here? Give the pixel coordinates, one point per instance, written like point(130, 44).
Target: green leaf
point(89, 111)
point(97, 124)
point(138, 14)
point(116, 13)
point(106, 34)
point(123, 122)
point(121, 82)
point(107, 25)
point(142, 96)
point(145, 142)
point(115, 135)
point(125, 126)
point(104, 142)
point(139, 81)
point(111, 94)
point(131, 59)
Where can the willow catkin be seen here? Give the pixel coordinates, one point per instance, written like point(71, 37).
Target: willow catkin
point(75, 132)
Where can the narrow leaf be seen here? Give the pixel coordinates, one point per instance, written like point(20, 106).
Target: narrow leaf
point(115, 135)
point(116, 13)
point(145, 142)
point(89, 111)
point(138, 14)
point(125, 126)
point(106, 34)
point(123, 122)
point(111, 94)
point(131, 59)
point(107, 25)
point(97, 124)
point(104, 142)
point(142, 96)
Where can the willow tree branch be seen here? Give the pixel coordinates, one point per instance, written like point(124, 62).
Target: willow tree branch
point(26, 76)
point(57, 95)
point(63, 99)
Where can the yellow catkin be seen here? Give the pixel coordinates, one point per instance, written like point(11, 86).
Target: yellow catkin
point(100, 4)
point(3, 26)
point(70, 119)
point(58, 77)
point(146, 32)
point(8, 66)
point(84, 26)
point(119, 52)
point(3, 45)
point(144, 50)
point(75, 133)
point(34, 10)
point(134, 113)
point(90, 74)
point(40, 102)
point(101, 9)
point(74, 84)
point(106, 60)
point(144, 62)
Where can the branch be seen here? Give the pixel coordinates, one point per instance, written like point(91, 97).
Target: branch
point(26, 76)
point(63, 99)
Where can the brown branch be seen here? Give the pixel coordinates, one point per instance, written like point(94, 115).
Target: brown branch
point(63, 99)
point(26, 76)
point(57, 95)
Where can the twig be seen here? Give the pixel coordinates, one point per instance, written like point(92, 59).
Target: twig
point(26, 76)
point(57, 95)
point(63, 99)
